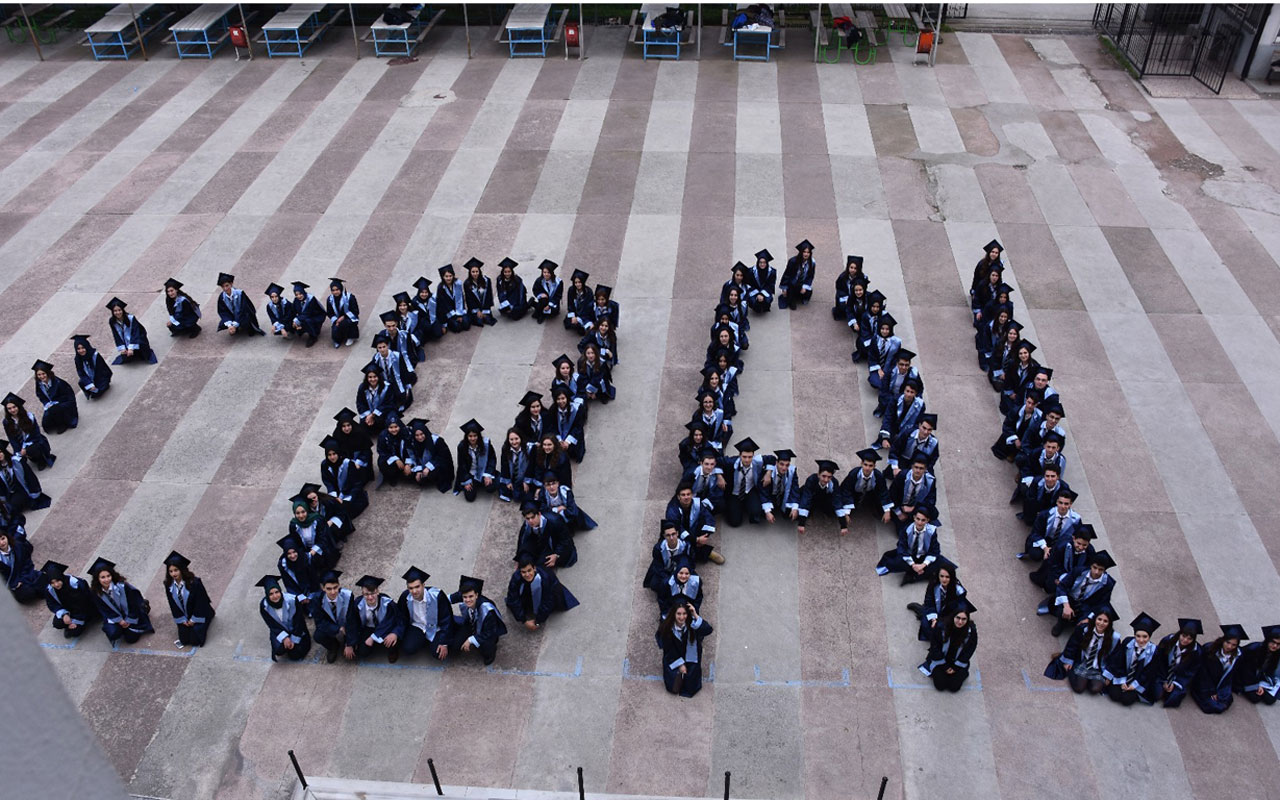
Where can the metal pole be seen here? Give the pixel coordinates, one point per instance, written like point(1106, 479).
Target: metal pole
point(883, 783)
point(582, 35)
point(302, 779)
point(726, 785)
point(355, 37)
point(431, 765)
point(32, 30)
point(466, 25)
point(582, 794)
point(817, 34)
point(699, 53)
point(138, 31)
point(248, 45)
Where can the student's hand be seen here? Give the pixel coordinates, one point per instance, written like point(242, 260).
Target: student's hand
point(919, 568)
point(1047, 550)
point(128, 352)
point(564, 445)
point(231, 330)
point(391, 640)
point(769, 516)
point(288, 643)
point(885, 517)
point(368, 642)
point(442, 652)
point(896, 470)
point(794, 514)
point(701, 540)
point(349, 653)
point(466, 645)
point(124, 623)
point(189, 624)
point(1168, 688)
point(531, 625)
point(1260, 691)
point(880, 374)
point(1067, 611)
point(951, 671)
point(1017, 444)
point(66, 620)
point(683, 669)
point(552, 560)
point(800, 529)
point(844, 531)
point(933, 623)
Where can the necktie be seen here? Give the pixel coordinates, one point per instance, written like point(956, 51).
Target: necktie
point(911, 494)
point(1057, 527)
point(739, 483)
point(333, 610)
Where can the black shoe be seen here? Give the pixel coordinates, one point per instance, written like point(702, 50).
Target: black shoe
point(311, 342)
point(1059, 627)
point(331, 656)
point(915, 608)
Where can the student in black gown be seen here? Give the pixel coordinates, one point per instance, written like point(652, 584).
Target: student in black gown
point(356, 442)
point(568, 423)
point(1083, 661)
point(547, 292)
point(58, 398)
point(19, 486)
point(513, 298)
point(604, 306)
point(125, 614)
point(941, 599)
point(430, 327)
point(515, 481)
point(342, 479)
point(845, 281)
point(430, 461)
point(578, 301)
point(334, 610)
point(69, 599)
point(375, 399)
point(680, 637)
point(796, 286)
point(596, 375)
point(822, 493)
point(426, 616)
point(764, 282)
point(92, 372)
point(478, 291)
point(286, 620)
point(683, 585)
point(342, 308)
point(1221, 674)
point(380, 624)
point(17, 571)
point(236, 312)
point(188, 601)
point(1128, 663)
point(477, 464)
point(129, 334)
point(951, 648)
point(480, 624)
point(533, 421)
point(1260, 674)
point(548, 456)
point(991, 258)
point(451, 301)
point(279, 311)
point(534, 594)
point(24, 433)
point(694, 446)
point(300, 566)
point(1174, 665)
point(184, 312)
point(306, 315)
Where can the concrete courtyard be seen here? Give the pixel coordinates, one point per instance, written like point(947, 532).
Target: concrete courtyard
point(1142, 237)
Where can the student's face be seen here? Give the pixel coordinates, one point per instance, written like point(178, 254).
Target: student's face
point(274, 595)
point(4, 541)
point(392, 326)
point(708, 405)
point(562, 401)
point(336, 291)
point(672, 536)
point(332, 455)
point(903, 366)
point(448, 278)
point(56, 583)
point(1040, 380)
point(1050, 478)
point(1051, 449)
point(384, 349)
point(331, 590)
point(1053, 418)
point(104, 578)
point(291, 554)
point(761, 264)
point(416, 589)
point(1079, 545)
point(725, 338)
point(885, 331)
point(393, 428)
point(118, 313)
point(1064, 505)
point(274, 297)
point(472, 438)
point(535, 408)
point(1141, 638)
point(552, 487)
point(578, 283)
point(824, 478)
point(1229, 646)
point(564, 369)
point(859, 291)
point(1024, 354)
point(372, 379)
point(682, 615)
point(993, 254)
point(41, 375)
point(424, 294)
point(944, 578)
point(513, 439)
point(806, 254)
point(11, 409)
point(734, 296)
point(926, 430)
point(921, 519)
point(170, 292)
point(402, 308)
point(1101, 623)
point(508, 273)
point(81, 350)
point(682, 574)
point(917, 470)
point(419, 435)
point(548, 445)
point(1029, 404)
point(746, 458)
point(345, 427)
point(713, 380)
point(227, 287)
point(1186, 639)
point(470, 597)
point(370, 595)
point(867, 466)
point(708, 465)
point(533, 518)
point(474, 273)
point(527, 572)
point(174, 573)
point(784, 466)
point(1095, 571)
point(685, 496)
point(299, 296)
point(961, 619)
point(1273, 645)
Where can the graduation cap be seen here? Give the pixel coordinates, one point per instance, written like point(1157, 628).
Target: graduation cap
point(580, 275)
point(337, 283)
point(1054, 406)
point(738, 265)
point(173, 283)
point(549, 264)
point(392, 418)
point(747, 445)
point(507, 261)
point(1069, 494)
point(308, 488)
point(666, 525)
point(766, 255)
point(783, 454)
point(1271, 631)
point(371, 367)
point(1004, 288)
point(966, 605)
point(707, 372)
point(993, 245)
point(471, 426)
point(82, 338)
point(52, 570)
point(415, 574)
point(418, 423)
point(402, 297)
point(1027, 343)
point(563, 358)
point(224, 277)
point(1084, 531)
point(330, 443)
point(875, 296)
point(932, 419)
point(369, 582)
point(919, 459)
point(13, 398)
point(423, 282)
point(1103, 559)
point(1144, 622)
point(389, 316)
point(1107, 609)
point(447, 269)
point(1190, 625)
point(116, 301)
point(827, 466)
point(472, 262)
point(530, 397)
point(861, 280)
point(1048, 372)
point(723, 310)
point(176, 559)
point(41, 364)
point(887, 319)
point(869, 454)
point(290, 542)
point(853, 260)
point(601, 289)
point(466, 583)
point(1234, 632)
point(914, 383)
point(550, 477)
point(527, 506)
point(904, 353)
point(381, 337)
point(345, 415)
point(99, 564)
point(299, 286)
point(1054, 436)
point(695, 425)
point(924, 508)
point(269, 582)
point(330, 576)
point(806, 244)
point(274, 288)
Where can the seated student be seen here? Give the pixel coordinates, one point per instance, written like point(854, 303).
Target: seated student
point(19, 486)
point(1083, 661)
point(1174, 665)
point(393, 453)
point(57, 397)
point(693, 446)
point(534, 594)
point(1053, 413)
point(918, 552)
point(299, 566)
point(1039, 382)
point(680, 636)
point(286, 620)
point(881, 349)
point(985, 290)
point(342, 479)
point(1004, 351)
point(855, 306)
point(737, 280)
point(713, 419)
point(713, 381)
point(546, 537)
point(987, 338)
point(399, 339)
point(477, 465)
point(19, 574)
point(68, 599)
point(406, 319)
point(845, 282)
point(24, 433)
point(515, 481)
point(480, 625)
point(605, 340)
point(124, 612)
point(868, 488)
point(426, 616)
point(236, 312)
point(682, 586)
point(430, 461)
point(737, 313)
point(1017, 426)
point(375, 399)
point(909, 444)
point(430, 326)
point(995, 299)
point(738, 324)
point(184, 312)
point(380, 625)
point(1017, 374)
point(334, 610)
point(1125, 667)
point(603, 306)
point(1051, 527)
point(569, 420)
point(764, 282)
point(695, 521)
point(902, 415)
point(865, 343)
point(547, 292)
point(723, 339)
point(188, 601)
point(796, 286)
point(822, 493)
point(279, 311)
point(451, 301)
point(578, 302)
point(896, 378)
point(1260, 673)
point(397, 370)
point(533, 421)
point(942, 597)
point(1042, 494)
point(951, 648)
point(554, 498)
point(912, 488)
point(478, 294)
point(92, 372)
point(548, 457)
point(708, 481)
point(306, 314)
point(129, 334)
point(1221, 671)
point(1081, 592)
point(990, 258)
point(566, 376)
point(779, 486)
point(326, 508)
point(668, 553)
point(740, 500)
point(1072, 552)
point(1032, 465)
point(513, 298)
point(355, 442)
point(596, 375)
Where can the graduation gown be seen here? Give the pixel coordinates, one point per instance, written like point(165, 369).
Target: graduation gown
point(905, 494)
point(569, 426)
point(472, 471)
point(831, 500)
point(345, 313)
point(481, 626)
point(114, 610)
point(719, 425)
point(1086, 598)
point(597, 379)
point(606, 345)
point(692, 522)
point(551, 538)
point(190, 603)
point(433, 624)
point(1069, 660)
point(1168, 666)
point(954, 652)
point(764, 285)
point(376, 623)
point(782, 495)
point(289, 621)
point(478, 298)
point(451, 305)
point(280, 315)
point(796, 286)
point(1050, 530)
point(513, 299)
point(307, 313)
point(1260, 670)
point(906, 447)
point(517, 469)
point(131, 335)
point(93, 374)
point(882, 353)
point(1127, 664)
point(337, 624)
point(707, 487)
point(545, 297)
point(539, 598)
point(1038, 497)
point(532, 428)
point(690, 455)
point(672, 592)
point(20, 576)
point(184, 316)
point(665, 562)
point(938, 603)
point(301, 577)
point(558, 463)
point(237, 311)
point(894, 380)
point(432, 456)
point(577, 309)
point(1216, 681)
point(900, 417)
point(20, 486)
point(683, 648)
point(575, 519)
point(1063, 560)
point(914, 547)
point(29, 441)
point(429, 327)
point(342, 481)
point(398, 373)
point(610, 311)
point(74, 600)
point(59, 401)
point(318, 541)
point(377, 403)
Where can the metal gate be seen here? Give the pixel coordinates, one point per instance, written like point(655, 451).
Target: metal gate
point(1217, 47)
point(1186, 40)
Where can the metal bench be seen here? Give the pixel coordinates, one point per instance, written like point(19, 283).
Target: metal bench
point(659, 43)
point(404, 38)
point(122, 30)
point(753, 35)
point(204, 31)
point(531, 25)
point(43, 26)
point(295, 29)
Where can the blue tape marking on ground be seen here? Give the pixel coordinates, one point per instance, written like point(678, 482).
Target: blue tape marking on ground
point(60, 645)
point(843, 683)
point(577, 672)
point(627, 676)
point(1031, 687)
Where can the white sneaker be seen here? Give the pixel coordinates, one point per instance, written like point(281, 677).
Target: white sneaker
point(350, 342)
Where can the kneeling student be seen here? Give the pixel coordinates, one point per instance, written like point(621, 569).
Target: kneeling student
point(534, 593)
point(334, 610)
point(427, 616)
point(380, 623)
point(480, 624)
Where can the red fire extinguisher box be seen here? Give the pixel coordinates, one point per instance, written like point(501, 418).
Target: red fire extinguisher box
point(571, 34)
point(238, 37)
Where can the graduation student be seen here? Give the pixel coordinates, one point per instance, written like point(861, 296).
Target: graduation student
point(478, 291)
point(696, 522)
point(1081, 592)
point(882, 349)
point(477, 465)
point(341, 307)
point(683, 586)
point(894, 379)
point(286, 621)
point(1260, 673)
point(692, 446)
point(566, 376)
point(713, 419)
point(668, 553)
point(845, 282)
point(1083, 661)
point(299, 567)
point(480, 624)
point(236, 313)
point(68, 599)
point(548, 457)
point(513, 298)
point(555, 498)
point(1051, 527)
point(19, 486)
point(595, 375)
point(990, 260)
point(406, 319)
point(578, 303)
point(534, 594)
point(708, 481)
point(532, 421)
point(1042, 494)
point(307, 315)
point(1071, 552)
point(430, 326)
point(328, 509)
point(129, 334)
point(680, 636)
point(821, 492)
point(396, 370)
point(1174, 664)
point(342, 479)
point(741, 500)
point(547, 292)
point(903, 414)
point(918, 552)
point(334, 610)
point(92, 372)
point(1031, 465)
point(1017, 426)
point(24, 433)
point(19, 574)
point(912, 488)
point(380, 624)
point(942, 597)
point(779, 486)
point(764, 281)
point(355, 442)
point(427, 616)
point(713, 382)
point(604, 307)
point(1125, 667)
point(430, 459)
point(951, 648)
point(1220, 674)
point(546, 537)
point(868, 327)
point(188, 601)
point(57, 397)
point(515, 482)
point(125, 614)
point(279, 311)
point(570, 419)
point(796, 286)
point(184, 313)
point(737, 280)
point(910, 444)
point(605, 340)
point(376, 398)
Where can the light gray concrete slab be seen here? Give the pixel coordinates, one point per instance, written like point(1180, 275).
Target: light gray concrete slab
point(677, 81)
point(586, 116)
point(660, 179)
point(1147, 188)
point(38, 98)
point(1263, 118)
point(1079, 88)
point(1115, 144)
point(670, 123)
point(758, 182)
point(839, 87)
point(747, 714)
point(1059, 199)
point(993, 72)
point(920, 86)
point(393, 752)
point(959, 195)
point(1264, 229)
point(1052, 49)
point(1196, 135)
point(936, 129)
point(859, 189)
point(848, 132)
point(1031, 138)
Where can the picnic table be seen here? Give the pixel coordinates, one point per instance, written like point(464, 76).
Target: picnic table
point(203, 32)
point(531, 25)
point(754, 34)
point(292, 31)
point(908, 23)
point(864, 52)
point(122, 30)
point(44, 29)
point(656, 40)
point(401, 39)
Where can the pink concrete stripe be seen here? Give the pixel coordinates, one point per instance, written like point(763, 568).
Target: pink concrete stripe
point(123, 716)
point(55, 113)
point(22, 85)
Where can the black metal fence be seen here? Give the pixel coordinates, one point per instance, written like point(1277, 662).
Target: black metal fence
point(1198, 41)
